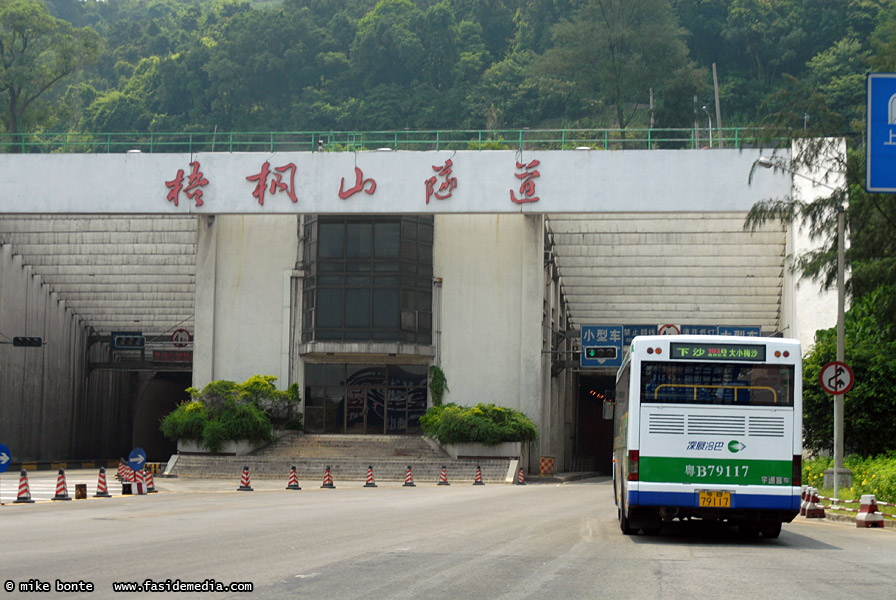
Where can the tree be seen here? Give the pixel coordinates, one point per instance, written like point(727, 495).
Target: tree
point(869, 407)
point(37, 51)
point(615, 51)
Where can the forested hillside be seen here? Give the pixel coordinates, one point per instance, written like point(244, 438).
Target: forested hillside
point(291, 65)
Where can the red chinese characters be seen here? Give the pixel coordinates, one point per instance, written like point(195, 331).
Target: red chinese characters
point(527, 186)
point(447, 186)
point(368, 185)
point(195, 182)
point(277, 184)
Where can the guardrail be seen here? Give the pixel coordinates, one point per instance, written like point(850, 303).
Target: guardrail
point(352, 141)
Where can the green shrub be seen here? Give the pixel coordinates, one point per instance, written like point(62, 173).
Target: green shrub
point(225, 410)
point(869, 476)
point(484, 423)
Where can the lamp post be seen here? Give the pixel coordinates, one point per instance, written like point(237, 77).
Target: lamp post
point(708, 125)
point(767, 163)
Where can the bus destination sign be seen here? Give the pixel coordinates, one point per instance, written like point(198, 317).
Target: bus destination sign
point(685, 351)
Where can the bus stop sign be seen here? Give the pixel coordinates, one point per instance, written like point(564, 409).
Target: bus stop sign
point(836, 378)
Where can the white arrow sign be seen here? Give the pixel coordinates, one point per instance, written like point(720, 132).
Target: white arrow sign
point(4, 458)
point(138, 459)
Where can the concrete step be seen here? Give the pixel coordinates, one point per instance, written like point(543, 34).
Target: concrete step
point(310, 471)
point(296, 445)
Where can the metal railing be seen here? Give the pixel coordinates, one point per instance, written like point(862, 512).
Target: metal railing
point(407, 140)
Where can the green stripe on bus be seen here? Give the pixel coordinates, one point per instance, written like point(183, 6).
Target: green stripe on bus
point(716, 471)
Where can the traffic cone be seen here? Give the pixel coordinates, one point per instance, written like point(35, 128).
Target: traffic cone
point(868, 515)
point(244, 481)
point(815, 509)
point(122, 474)
point(478, 480)
point(150, 484)
point(409, 479)
point(101, 490)
point(24, 491)
point(443, 478)
point(370, 481)
point(521, 479)
point(328, 479)
point(293, 481)
point(61, 489)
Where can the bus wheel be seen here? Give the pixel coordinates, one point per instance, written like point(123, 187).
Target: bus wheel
point(771, 530)
point(624, 524)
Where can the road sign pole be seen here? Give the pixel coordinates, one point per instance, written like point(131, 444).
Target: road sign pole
point(838, 398)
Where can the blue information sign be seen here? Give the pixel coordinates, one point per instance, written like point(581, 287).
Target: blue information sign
point(137, 459)
point(5, 458)
point(880, 172)
point(741, 330)
point(629, 332)
point(601, 346)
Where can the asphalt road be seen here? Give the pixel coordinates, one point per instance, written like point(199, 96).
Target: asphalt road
point(460, 541)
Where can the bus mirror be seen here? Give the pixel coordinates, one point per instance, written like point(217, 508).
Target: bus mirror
point(608, 409)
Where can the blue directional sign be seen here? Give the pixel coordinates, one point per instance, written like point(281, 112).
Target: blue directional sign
point(137, 459)
point(699, 330)
point(880, 172)
point(601, 346)
point(5, 458)
point(630, 332)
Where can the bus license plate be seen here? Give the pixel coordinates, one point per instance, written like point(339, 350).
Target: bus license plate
point(715, 499)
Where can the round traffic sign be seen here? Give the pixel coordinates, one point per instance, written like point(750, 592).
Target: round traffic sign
point(5, 458)
point(181, 338)
point(836, 378)
point(668, 329)
point(137, 459)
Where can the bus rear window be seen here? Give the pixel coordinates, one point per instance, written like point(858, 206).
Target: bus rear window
point(717, 383)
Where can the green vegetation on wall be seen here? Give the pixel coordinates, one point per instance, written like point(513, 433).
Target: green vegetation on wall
point(484, 423)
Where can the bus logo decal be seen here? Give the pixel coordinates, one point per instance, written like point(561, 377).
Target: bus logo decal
point(736, 446)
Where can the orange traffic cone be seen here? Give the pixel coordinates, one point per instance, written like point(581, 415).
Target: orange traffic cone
point(478, 480)
point(328, 479)
point(370, 481)
point(521, 480)
point(101, 490)
point(443, 478)
point(244, 481)
point(24, 491)
point(61, 489)
point(409, 479)
point(293, 482)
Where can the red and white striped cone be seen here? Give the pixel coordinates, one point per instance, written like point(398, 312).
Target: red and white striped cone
point(244, 481)
point(409, 479)
point(122, 474)
point(328, 479)
point(150, 483)
point(101, 490)
point(61, 489)
point(478, 480)
point(868, 515)
point(443, 478)
point(24, 491)
point(804, 500)
point(139, 483)
point(814, 510)
point(521, 479)
point(370, 482)
point(293, 482)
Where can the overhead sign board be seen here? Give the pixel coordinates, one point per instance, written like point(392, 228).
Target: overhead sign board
point(601, 346)
point(880, 172)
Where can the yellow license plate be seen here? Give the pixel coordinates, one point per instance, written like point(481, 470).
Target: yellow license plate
point(715, 499)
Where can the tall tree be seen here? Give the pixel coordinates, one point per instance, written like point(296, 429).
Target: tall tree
point(615, 51)
point(37, 51)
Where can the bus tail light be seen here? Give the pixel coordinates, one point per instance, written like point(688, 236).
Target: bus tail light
point(797, 476)
point(633, 465)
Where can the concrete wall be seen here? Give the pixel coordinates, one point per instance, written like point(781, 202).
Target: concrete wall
point(492, 301)
point(240, 324)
